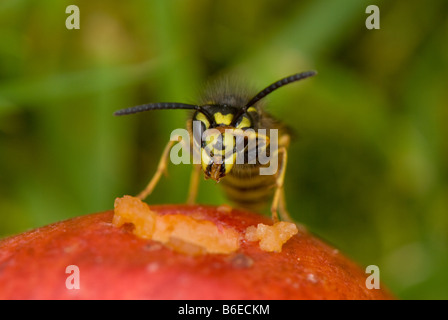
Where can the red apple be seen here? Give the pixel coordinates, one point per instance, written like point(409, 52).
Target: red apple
point(113, 263)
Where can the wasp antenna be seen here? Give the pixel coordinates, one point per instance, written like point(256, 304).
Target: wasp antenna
point(280, 83)
point(155, 106)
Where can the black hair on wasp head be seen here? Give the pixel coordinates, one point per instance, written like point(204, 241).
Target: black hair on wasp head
point(225, 100)
point(227, 91)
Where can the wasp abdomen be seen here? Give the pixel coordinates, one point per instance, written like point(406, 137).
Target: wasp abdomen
point(247, 189)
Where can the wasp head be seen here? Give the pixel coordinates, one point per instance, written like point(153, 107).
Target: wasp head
point(216, 137)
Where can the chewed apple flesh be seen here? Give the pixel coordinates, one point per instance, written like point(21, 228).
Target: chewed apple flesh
point(114, 263)
point(194, 235)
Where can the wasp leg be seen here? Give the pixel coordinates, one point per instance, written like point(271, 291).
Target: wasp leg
point(283, 211)
point(279, 185)
point(284, 214)
point(194, 184)
point(278, 202)
point(161, 168)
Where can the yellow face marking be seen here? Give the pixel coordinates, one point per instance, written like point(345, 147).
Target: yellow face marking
point(225, 146)
point(205, 159)
point(218, 152)
point(229, 161)
point(210, 155)
point(223, 119)
point(203, 118)
point(252, 109)
point(245, 123)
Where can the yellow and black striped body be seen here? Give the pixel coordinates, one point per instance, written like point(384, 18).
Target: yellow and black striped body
point(246, 188)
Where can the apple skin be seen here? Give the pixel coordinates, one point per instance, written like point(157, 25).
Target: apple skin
point(115, 264)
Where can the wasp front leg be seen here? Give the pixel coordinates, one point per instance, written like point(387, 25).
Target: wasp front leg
point(161, 168)
point(278, 203)
point(194, 184)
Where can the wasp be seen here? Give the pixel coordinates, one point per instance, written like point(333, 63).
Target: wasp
point(239, 117)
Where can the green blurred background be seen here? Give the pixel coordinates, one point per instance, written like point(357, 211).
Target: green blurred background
point(368, 172)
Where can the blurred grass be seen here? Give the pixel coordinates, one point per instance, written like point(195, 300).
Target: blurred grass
point(368, 172)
